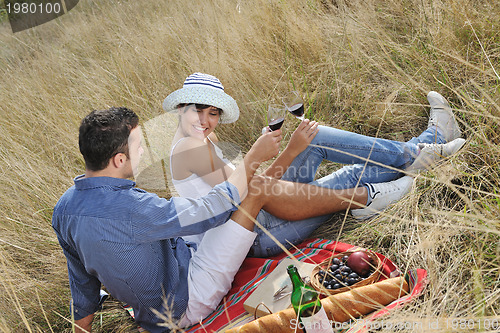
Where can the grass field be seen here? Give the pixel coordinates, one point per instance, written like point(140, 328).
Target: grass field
point(365, 66)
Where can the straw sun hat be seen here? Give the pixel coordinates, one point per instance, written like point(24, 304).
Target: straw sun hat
point(206, 89)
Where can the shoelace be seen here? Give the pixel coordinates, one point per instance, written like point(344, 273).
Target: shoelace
point(433, 117)
point(388, 189)
point(433, 120)
point(434, 147)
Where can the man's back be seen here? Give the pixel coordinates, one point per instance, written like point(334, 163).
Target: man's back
point(104, 241)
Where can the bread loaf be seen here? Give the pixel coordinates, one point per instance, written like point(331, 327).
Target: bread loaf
point(363, 300)
point(279, 322)
point(340, 307)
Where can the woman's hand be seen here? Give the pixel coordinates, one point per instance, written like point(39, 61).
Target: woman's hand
point(266, 147)
point(302, 136)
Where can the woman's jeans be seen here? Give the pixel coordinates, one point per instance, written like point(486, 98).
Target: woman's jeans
point(371, 160)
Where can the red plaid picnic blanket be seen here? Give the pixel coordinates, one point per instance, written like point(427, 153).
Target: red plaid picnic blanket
point(230, 313)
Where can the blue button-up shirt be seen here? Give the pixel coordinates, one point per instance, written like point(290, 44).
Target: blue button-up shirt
point(130, 241)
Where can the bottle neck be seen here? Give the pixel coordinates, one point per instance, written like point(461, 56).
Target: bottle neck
point(295, 277)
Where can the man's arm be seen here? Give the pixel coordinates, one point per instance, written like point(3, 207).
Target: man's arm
point(84, 287)
point(84, 325)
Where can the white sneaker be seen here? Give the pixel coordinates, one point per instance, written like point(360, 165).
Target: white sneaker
point(382, 195)
point(442, 117)
point(430, 153)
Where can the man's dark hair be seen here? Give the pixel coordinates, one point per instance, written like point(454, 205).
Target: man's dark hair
point(104, 133)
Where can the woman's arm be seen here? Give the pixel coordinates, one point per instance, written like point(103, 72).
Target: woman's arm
point(299, 141)
point(192, 156)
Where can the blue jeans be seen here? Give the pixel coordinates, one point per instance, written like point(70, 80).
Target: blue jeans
point(368, 159)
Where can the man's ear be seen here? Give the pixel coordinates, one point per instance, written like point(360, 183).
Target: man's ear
point(118, 161)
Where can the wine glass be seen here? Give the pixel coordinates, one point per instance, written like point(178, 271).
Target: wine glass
point(294, 103)
point(275, 116)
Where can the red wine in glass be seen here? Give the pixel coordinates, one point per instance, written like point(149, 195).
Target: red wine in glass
point(297, 110)
point(294, 104)
point(276, 124)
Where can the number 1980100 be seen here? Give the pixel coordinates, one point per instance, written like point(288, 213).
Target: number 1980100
point(33, 8)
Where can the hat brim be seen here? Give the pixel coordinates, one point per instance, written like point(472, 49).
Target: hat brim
point(204, 95)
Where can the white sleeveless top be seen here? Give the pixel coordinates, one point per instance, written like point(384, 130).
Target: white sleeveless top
point(194, 186)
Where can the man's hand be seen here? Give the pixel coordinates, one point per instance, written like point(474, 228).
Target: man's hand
point(302, 136)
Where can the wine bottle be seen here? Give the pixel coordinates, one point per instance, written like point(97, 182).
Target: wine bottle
point(307, 305)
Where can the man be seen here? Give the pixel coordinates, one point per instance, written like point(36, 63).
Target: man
point(131, 241)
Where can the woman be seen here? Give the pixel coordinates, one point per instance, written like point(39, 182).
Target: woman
point(197, 164)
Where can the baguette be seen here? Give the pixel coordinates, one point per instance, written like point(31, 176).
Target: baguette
point(280, 322)
point(339, 307)
point(363, 300)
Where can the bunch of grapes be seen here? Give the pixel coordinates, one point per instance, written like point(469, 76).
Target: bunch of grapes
point(340, 274)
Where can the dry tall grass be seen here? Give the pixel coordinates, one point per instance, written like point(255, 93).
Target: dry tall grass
point(364, 65)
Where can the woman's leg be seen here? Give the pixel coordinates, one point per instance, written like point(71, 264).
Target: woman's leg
point(359, 175)
point(348, 148)
point(303, 168)
point(430, 135)
point(290, 233)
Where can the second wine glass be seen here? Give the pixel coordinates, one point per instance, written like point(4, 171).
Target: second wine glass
point(294, 104)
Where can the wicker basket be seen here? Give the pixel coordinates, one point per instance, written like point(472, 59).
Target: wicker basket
point(374, 276)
